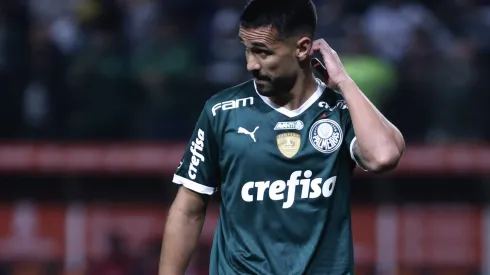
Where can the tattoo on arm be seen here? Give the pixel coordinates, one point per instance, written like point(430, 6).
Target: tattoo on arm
point(356, 151)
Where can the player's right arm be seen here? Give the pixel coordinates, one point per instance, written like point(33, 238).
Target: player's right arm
point(198, 175)
point(182, 231)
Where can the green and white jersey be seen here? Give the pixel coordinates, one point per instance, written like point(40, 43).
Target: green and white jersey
point(284, 178)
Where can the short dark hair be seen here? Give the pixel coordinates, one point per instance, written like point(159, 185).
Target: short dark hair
point(287, 17)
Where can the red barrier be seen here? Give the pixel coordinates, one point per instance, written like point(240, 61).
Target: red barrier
point(154, 159)
point(416, 236)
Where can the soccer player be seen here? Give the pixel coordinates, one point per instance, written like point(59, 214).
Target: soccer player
point(281, 149)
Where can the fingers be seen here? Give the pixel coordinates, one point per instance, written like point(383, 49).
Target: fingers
point(320, 68)
point(320, 45)
point(317, 64)
point(321, 42)
point(316, 46)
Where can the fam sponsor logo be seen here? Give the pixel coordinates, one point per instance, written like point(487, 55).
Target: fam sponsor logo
point(232, 104)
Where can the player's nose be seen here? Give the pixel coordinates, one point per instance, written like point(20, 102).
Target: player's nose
point(252, 64)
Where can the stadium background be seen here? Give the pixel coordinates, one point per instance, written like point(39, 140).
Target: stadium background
point(98, 99)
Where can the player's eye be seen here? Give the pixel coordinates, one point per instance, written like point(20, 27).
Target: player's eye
point(261, 52)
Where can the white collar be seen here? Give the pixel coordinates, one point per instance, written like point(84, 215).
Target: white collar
point(292, 113)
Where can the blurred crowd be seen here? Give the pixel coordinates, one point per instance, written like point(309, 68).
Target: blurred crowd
point(141, 69)
point(125, 70)
point(119, 260)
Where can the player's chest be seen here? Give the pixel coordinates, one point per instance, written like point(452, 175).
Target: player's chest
point(257, 139)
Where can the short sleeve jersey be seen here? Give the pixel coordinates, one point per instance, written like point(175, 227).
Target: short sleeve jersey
point(284, 177)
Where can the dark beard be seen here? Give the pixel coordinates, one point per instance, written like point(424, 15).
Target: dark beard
point(278, 89)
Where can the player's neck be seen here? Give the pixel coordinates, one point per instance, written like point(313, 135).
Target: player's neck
point(304, 87)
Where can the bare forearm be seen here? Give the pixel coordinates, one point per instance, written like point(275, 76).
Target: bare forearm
point(181, 236)
point(379, 143)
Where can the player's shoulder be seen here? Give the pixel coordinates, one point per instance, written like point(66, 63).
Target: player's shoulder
point(333, 100)
point(335, 104)
point(241, 90)
point(242, 94)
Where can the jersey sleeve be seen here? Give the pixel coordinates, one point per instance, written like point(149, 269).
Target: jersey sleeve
point(350, 139)
point(199, 168)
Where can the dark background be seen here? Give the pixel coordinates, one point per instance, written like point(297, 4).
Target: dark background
point(118, 75)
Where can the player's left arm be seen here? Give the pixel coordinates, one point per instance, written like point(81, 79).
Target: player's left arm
point(378, 145)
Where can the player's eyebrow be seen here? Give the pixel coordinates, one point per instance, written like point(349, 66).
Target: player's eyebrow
point(254, 44)
point(259, 45)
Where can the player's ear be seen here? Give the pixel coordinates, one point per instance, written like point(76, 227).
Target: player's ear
point(303, 48)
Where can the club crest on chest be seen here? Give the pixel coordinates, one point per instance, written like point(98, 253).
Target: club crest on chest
point(326, 135)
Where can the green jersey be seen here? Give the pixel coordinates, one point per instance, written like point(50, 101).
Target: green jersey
point(284, 177)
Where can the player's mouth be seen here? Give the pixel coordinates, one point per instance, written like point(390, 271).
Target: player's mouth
point(260, 78)
point(261, 81)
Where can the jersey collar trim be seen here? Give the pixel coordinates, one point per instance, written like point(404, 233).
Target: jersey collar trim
point(292, 113)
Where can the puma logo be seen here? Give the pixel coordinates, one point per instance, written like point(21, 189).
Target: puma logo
point(246, 132)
